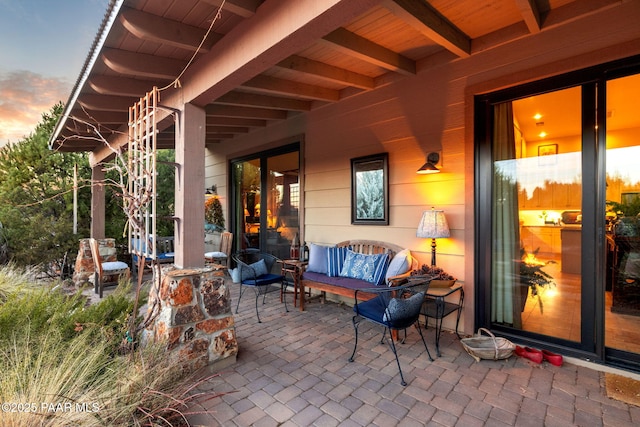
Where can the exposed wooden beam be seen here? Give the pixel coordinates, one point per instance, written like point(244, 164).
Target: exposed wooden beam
point(256, 100)
point(146, 26)
point(276, 85)
point(69, 146)
point(106, 102)
point(100, 117)
point(235, 121)
point(244, 8)
point(327, 72)
point(229, 129)
point(366, 50)
point(81, 129)
point(246, 112)
point(577, 10)
point(429, 22)
point(122, 86)
point(142, 65)
point(530, 14)
point(219, 135)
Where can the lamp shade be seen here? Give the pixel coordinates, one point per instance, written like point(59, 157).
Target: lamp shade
point(428, 168)
point(430, 165)
point(433, 225)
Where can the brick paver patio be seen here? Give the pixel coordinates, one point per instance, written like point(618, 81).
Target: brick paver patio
point(293, 370)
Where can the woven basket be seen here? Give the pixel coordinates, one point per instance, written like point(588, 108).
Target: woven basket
point(491, 347)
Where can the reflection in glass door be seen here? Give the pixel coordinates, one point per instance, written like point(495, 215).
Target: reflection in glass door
point(247, 193)
point(266, 201)
point(283, 203)
point(536, 225)
point(622, 296)
point(558, 199)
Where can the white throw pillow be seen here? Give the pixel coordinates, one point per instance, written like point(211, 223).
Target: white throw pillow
point(400, 264)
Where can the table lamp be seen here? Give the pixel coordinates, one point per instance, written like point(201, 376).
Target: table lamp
point(433, 225)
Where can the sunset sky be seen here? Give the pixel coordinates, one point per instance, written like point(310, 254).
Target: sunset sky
point(43, 45)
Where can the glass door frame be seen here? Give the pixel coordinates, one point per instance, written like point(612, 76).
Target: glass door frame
point(593, 83)
point(236, 201)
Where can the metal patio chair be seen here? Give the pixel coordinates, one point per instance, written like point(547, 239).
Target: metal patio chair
point(256, 273)
point(395, 308)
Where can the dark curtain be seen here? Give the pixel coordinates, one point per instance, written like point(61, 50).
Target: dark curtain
point(506, 291)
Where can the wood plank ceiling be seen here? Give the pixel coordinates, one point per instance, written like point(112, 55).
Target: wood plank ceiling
point(151, 42)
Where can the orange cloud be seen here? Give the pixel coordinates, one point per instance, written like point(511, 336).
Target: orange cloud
point(24, 97)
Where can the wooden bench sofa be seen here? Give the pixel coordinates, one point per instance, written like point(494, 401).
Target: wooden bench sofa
point(346, 286)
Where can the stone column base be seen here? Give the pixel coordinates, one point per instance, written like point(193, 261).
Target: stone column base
point(194, 317)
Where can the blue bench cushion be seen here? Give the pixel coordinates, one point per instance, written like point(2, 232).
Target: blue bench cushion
point(343, 282)
point(169, 256)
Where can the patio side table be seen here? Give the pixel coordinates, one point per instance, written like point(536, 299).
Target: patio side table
point(436, 306)
point(292, 271)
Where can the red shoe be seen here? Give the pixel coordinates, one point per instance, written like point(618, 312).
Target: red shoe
point(529, 353)
point(553, 358)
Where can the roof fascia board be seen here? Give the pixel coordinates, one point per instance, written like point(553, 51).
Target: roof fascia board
point(110, 16)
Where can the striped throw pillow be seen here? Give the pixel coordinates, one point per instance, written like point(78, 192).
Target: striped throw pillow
point(335, 260)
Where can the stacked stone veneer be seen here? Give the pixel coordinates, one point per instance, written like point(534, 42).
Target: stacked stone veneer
point(84, 268)
point(193, 316)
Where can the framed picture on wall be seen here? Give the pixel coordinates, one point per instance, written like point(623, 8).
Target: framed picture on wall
point(547, 150)
point(370, 190)
point(547, 154)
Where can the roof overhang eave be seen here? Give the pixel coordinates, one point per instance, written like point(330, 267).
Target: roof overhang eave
point(113, 9)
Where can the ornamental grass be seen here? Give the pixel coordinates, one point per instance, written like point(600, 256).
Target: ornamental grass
point(62, 364)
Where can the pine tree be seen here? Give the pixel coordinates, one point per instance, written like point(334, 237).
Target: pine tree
point(36, 198)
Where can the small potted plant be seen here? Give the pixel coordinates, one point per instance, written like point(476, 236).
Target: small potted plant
point(533, 276)
point(213, 215)
point(440, 278)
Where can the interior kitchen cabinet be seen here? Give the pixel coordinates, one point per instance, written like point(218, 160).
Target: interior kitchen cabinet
point(553, 196)
point(566, 196)
point(545, 239)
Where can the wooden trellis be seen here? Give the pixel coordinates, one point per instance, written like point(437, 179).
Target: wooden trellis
point(141, 203)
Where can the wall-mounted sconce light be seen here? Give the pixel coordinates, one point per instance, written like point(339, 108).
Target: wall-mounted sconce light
point(430, 166)
point(211, 190)
point(433, 225)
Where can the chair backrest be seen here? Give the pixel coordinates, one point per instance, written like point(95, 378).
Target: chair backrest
point(226, 239)
point(251, 256)
point(403, 311)
point(165, 245)
point(95, 254)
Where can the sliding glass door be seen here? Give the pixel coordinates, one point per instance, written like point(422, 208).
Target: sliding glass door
point(537, 181)
point(266, 200)
point(622, 319)
point(558, 203)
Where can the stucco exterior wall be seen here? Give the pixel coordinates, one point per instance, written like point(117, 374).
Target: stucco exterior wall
point(432, 111)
